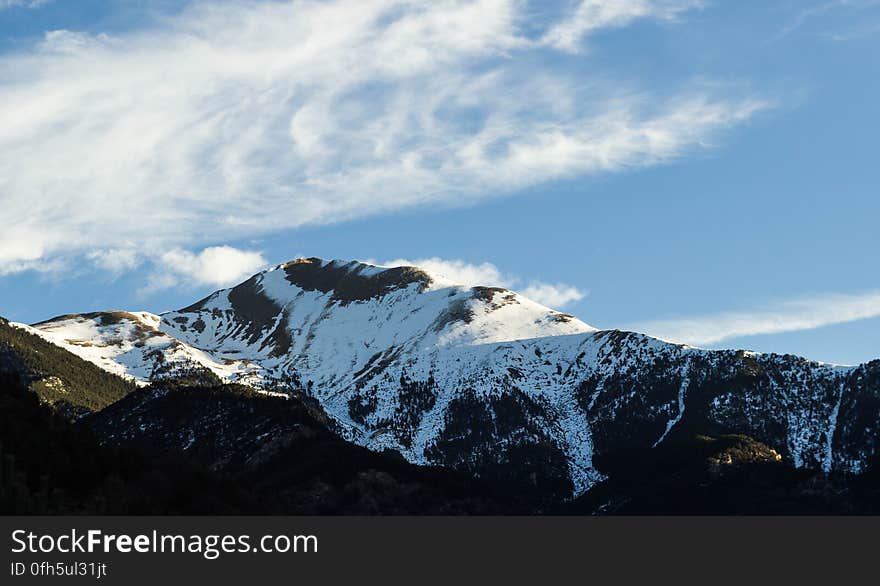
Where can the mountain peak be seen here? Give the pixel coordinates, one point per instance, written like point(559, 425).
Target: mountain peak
point(351, 280)
point(479, 378)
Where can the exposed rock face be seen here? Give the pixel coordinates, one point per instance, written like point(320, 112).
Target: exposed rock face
point(353, 281)
point(486, 381)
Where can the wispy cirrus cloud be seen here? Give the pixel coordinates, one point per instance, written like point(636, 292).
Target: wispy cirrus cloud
point(22, 3)
point(461, 272)
point(804, 15)
point(234, 119)
point(794, 315)
point(594, 15)
point(857, 33)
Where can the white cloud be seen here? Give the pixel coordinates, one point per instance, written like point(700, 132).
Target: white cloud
point(217, 266)
point(22, 3)
point(558, 295)
point(789, 316)
point(234, 119)
point(817, 10)
point(458, 271)
point(487, 274)
point(594, 15)
point(19, 266)
point(115, 260)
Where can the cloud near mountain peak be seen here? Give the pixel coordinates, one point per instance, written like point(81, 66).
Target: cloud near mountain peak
point(233, 119)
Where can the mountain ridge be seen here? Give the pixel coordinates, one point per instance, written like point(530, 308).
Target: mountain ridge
point(71, 386)
point(482, 379)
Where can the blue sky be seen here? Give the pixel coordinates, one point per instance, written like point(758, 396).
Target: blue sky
point(703, 171)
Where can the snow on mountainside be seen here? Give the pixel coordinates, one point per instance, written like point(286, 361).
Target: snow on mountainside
point(481, 378)
point(132, 345)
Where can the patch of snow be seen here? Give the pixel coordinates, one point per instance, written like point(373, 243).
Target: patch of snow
point(682, 391)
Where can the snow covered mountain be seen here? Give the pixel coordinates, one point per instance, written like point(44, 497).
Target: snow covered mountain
point(482, 379)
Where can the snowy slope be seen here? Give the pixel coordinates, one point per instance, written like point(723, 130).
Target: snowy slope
point(480, 379)
point(132, 345)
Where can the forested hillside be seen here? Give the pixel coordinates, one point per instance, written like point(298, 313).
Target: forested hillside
point(58, 377)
